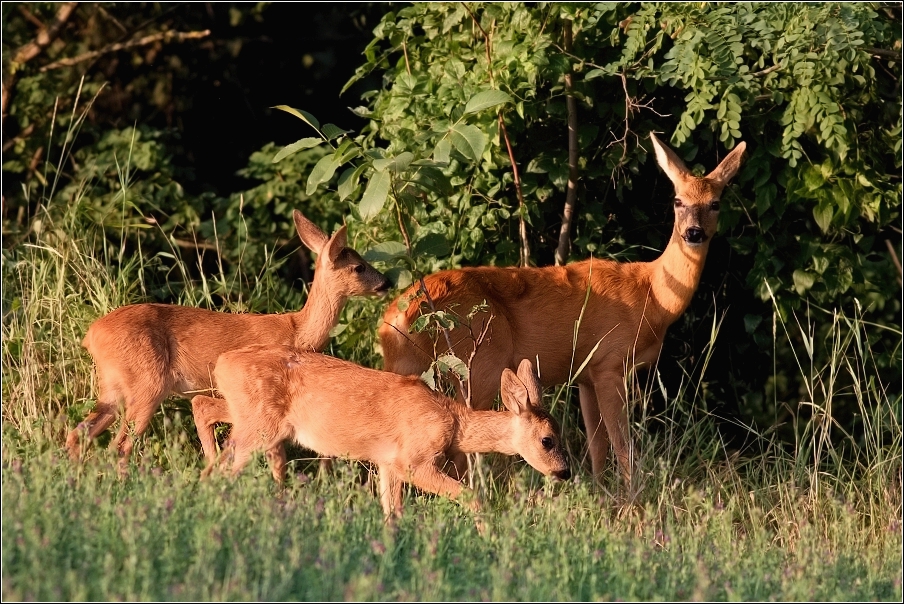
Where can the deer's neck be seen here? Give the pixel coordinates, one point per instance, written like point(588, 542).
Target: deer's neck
point(483, 432)
point(675, 276)
point(319, 315)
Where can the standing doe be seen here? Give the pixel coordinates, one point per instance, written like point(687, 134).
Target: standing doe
point(145, 352)
point(340, 409)
point(629, 306)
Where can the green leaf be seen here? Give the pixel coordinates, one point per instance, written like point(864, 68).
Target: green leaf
point(751, 322)
point(348, 181)
point(823, 215)
point(394, 164)
point(383, 252)
point(302, 115)
point(305, 143)
point(428, 378)
point(803, 281)
point(322, 172)
point(375, 195)
point(598, 73)
point(432, 244)
point(485, 100)
point(469, 140)
point(346, 151)
point(453, 363)
point(331, 131)
point(402, 277)
point(441, 151)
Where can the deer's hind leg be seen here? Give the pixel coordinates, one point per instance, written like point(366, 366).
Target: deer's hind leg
point(276, 459)
point(207, 411)
point(390, 492)
point(143, 396)
point(113, 394)
point(245, 439)
point(98, 420)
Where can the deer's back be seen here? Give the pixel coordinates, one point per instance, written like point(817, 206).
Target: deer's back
point(333, 406)
point(181, 341)
point(534, 315)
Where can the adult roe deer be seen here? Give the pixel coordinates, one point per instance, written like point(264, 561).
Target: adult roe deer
point(629, 306)
point(145, 352)
point(341, 409)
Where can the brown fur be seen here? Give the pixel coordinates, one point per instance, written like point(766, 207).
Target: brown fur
point(340, 409)
point(629, 307)
point(145, 352)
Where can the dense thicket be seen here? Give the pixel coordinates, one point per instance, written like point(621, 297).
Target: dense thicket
point(448, 98)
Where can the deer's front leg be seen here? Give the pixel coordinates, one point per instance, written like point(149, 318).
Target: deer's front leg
point(609, 387)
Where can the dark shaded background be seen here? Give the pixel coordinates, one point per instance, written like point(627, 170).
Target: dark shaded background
point(212, 96)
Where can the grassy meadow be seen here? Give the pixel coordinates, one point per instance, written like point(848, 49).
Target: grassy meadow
point(817, 519)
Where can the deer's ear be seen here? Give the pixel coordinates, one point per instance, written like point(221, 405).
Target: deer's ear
point(514, 394)
point(531, 381)
point(336, 244)
point(309, 233)
point(729, 166)
point(669, 161)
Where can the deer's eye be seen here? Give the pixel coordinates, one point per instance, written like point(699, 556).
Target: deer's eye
point(547, 443)
point(678, 203)
point(714, 206)
point(359, 268)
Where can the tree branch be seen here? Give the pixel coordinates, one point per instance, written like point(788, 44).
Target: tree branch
point(422, 284)
point(767, 71)
point(891, 55)
point(564, 247)
point(45, 36)
point(26, 53)
point(21, 136)
point(30, 17)
point(894, 258)
point(522, 226)
point(165, 37)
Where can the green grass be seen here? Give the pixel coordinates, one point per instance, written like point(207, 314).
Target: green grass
point(161, 534)
point(817, 519)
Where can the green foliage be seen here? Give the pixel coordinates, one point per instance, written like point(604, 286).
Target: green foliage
point(398, 183)
point(819, 112)
point(814, 90)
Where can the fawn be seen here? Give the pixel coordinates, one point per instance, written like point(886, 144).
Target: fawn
point(145, 352)
point(629, 306)
point(340, 409)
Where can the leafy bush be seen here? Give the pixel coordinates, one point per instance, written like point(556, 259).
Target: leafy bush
point(468, 89)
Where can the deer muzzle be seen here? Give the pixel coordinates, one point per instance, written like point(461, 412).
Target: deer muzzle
point(694, 235)
point(383, 287)
point(562, 474)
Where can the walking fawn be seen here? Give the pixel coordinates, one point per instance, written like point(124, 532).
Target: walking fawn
point(340, 409)
point(629, 306)
point(145, 352)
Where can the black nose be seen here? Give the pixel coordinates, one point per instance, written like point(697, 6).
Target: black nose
point(695, 235)
point(562, 474)
point(384, 286)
